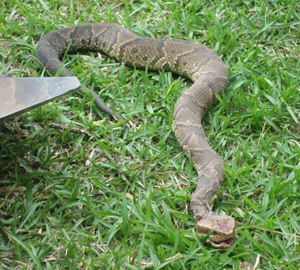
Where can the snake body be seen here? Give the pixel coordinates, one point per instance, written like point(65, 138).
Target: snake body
point(196, 62)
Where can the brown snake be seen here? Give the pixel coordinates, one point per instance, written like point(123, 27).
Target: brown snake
point(201, 65)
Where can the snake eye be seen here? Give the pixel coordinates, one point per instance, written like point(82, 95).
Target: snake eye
point(198, 218)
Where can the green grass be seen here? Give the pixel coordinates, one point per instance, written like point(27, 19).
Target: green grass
point(114, 200)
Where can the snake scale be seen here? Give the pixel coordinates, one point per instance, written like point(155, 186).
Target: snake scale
point(189, 59)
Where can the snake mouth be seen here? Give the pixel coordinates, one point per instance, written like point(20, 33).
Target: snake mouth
point(222, 244)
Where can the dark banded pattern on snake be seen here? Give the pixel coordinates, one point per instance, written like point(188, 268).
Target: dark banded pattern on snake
point(196, 62)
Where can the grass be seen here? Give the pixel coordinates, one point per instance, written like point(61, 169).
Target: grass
point(112, 200)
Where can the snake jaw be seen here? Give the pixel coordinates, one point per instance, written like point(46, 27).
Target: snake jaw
point(221, 230)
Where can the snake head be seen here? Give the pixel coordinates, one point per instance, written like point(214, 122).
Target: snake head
point(221, 229)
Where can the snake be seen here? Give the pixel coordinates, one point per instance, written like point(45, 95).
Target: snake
point(201, 65)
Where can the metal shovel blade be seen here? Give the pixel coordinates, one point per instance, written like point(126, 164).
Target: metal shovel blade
point(18, 95)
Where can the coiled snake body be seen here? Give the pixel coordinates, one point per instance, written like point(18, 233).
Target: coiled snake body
point(201, 65)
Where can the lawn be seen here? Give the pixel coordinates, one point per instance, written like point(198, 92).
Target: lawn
point(102, 198)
